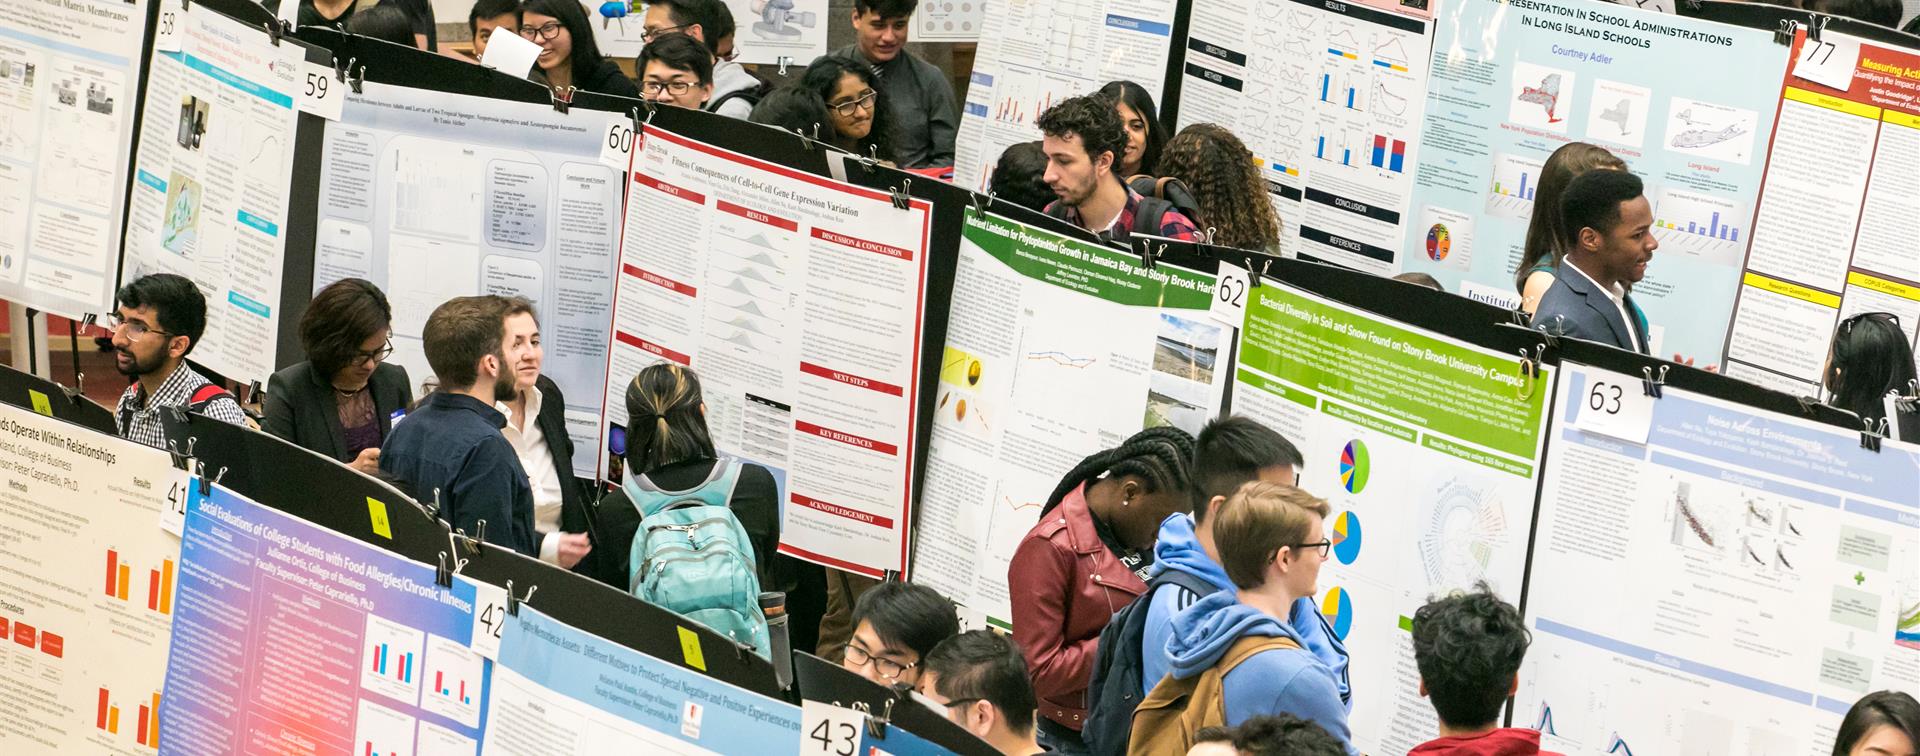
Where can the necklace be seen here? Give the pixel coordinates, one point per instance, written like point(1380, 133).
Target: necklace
point(346, 394)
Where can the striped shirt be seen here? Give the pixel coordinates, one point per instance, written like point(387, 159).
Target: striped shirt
point(139, 414)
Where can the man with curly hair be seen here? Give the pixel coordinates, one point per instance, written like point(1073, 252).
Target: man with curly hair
point(1083, 139)
point(1468, 647)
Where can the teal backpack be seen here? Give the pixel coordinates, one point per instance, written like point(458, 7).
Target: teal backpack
point(692, 556)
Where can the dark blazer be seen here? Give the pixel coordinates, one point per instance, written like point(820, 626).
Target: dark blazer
point(1575, 307)
point(301, 407)
point(607, 79)
point(552, 422)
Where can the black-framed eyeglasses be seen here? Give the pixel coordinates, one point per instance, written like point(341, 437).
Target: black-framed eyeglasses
point(377, 355)
point(648, 35)
point(863, 102)
point(887, 668)
point(134, 328)
point(548, 30)
point(1325, 547)
point(676, 87)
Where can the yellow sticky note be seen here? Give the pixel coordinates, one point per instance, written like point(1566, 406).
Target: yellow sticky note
point(377, 510)
point(40, 403)
point(690, 649)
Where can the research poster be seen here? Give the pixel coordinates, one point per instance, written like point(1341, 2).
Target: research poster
point(1514, 81)
point(1034, 53)
point(1732, 585)
point(802, 313)
point(949, 20)
point(433, 196)
point(89, 587)
point(212, 176)
point(1056, 349)
point(765, 31)
point(1839, 214)
point(1328, 95)
point(69, 75)
point(1457, 430)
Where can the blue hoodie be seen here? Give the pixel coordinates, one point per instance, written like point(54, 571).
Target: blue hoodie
point(1269, 682)
point(1179, 549)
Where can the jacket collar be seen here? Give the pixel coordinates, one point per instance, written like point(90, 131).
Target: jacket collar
point(1078, 519)
point(1601, 301)
point(447, 400)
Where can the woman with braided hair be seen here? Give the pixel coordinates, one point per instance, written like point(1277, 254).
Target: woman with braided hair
point(1218, 169)
point(1086, 558)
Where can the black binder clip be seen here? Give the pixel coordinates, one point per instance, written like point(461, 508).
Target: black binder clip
point(562, 99)
point(514, 602)
point(273, 30)
point(472, 543)
point(442, 576)
point(1553, 334)
point(1254, 276)
point(1148, 253)
point(340, 69)
point(1816, 24)
point(877, 725)
point(1783, 35)
point(783, 61)
point(872, 159)
point(901, 199)
point(1807, 404)
point(981, 202)
point(807, 140)
point(1872, 432)
point(206, 486)
point(356, 76)
point(254, 391)
point(88, 319)
point(181, 461)
point(1650, 382)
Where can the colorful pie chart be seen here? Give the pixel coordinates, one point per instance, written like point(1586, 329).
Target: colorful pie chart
point(1338, 608)
point(1353, 466)
point(1439, 242)
point(1346, 537)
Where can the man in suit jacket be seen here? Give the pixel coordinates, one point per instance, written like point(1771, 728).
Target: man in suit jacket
point(1610, 241)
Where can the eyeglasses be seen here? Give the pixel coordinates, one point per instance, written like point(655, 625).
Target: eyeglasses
point(887, 668)
point(548, 30)
point(648, 35)
point(1324, 547)
point(863, 102)
point(377, 355)
point(676, 87)
point(134, 328)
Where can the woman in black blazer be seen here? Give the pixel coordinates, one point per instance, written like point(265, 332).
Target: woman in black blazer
point(542, 444)
point(344, 399)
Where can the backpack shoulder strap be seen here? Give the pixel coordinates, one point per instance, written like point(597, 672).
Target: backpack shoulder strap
point(1244, 649)
point(204, 396)
point(1146, 218)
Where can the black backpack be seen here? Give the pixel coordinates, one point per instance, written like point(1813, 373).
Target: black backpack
point(1115, 688)
point(1167, 189)
point(1146, 219)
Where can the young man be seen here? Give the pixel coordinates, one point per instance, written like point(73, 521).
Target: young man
point(450, 449)
point(1609, 243)
point(675, 69)
point(981, 679)
point(733, 91)
point(1468, 647)
point(1083, 138)
point(1284, 735)
point(488, 15)
point(895, 626)
point(1271, 545)
point(925, 118)
point(157, 322)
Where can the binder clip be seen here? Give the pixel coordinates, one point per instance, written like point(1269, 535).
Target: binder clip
point(273, 29)
point(181, 461)
point(981, 203)
point(340, 69)
point(1873, 432)
point(1816, 24)
point(1783, 35)
point(1553, 334)
point(807, 140)
point(254, 391)
point(1807, 403)
point(901, 199)
point(206, 486)
point(473, 542)
point(877, 726)
point(1254, 276)
point(356, 77)
point(783, 61)
point(561, 100)
point(872, 159)
point(442, 576)
point(1651, 383)
point(513, 601)
point(1148, 253)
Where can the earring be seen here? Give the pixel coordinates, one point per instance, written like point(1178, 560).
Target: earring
point(1126, 502)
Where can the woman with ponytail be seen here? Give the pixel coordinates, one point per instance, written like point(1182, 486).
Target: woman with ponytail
point(1086, 558)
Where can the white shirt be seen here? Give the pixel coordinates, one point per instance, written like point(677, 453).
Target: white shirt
point(1616, 292)
point(531, 446)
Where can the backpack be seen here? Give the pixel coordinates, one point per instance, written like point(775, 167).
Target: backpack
point(1169, 189)
point(752, 94)
point(1115, 688)
point(1166, 722)
point(1146, 218)
point(692, 557)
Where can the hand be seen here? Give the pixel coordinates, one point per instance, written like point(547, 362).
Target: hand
point(368, 462)
point(573, 548)
point(1682, 359)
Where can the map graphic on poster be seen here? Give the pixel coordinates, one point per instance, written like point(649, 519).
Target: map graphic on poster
point(1328, 96)
point(1055, 350)
point(433, 196)
point(1426, 448)
point(1731, 586)
point(1513, 82)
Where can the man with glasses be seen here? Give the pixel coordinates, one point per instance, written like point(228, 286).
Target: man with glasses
point(159, 319)
point(981, 680)
point(895, 625)
point(733, 90)
point(676, 70)
point(925, 117)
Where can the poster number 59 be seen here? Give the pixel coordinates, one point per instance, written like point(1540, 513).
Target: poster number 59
point(320, 91)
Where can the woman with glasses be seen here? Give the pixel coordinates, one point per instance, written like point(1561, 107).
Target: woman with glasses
point(568, 56)
point(861, 121)
point(1870, 357)
point(345, 398)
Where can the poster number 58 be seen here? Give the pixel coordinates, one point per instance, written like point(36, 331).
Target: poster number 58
point(166, 33)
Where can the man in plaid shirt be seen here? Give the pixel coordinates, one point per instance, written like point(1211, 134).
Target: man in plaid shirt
point(159, 320)
point(1083, 139)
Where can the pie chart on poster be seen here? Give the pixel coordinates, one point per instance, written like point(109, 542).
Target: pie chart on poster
point(1439, 242)
point(1346, 537)
point(1338, 608)
point(1353, 466)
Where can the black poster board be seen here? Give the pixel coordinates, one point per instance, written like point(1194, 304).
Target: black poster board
point(816, 679)
point(29, 391)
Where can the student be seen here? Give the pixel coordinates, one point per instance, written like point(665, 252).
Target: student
point(488, 15)
point(537, 428)
point(676, 70)
point(1546, 232)
point(980, 679)
point(1083, 139)
point(795, 109)
point(895, 626)
point(420, 21)
point(918, 94)
point(1271, 545)
point(450, 449)
point(157, 322)
point(1868, 358)
point(1883, 12)
point(1609, 240)
point(385, 22)
point(1882, 723)
point(335, 13)
point(735, 90)
point(1468, 647)
point(343, 401)
point(862, 122)
point(1213, 741)
point(1219, 171)
point(1141, 120)
point(1087, 557)
point(1020, 177)
point(1285, 735)
point(568, 56)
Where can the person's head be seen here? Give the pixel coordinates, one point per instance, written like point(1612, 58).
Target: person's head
point(465, 342)
point(1270, 539)
point(1148, 473)
point(1020, 176)
point(1468, 647)
point(561, 30)
point(981, 678)
point(1284, 735)
point(1869, 356)
point(488, 15)
point(1083, 139)
point(521, 344)
point(880, 27)
point(796, 109)
point(1141, 121)
point(676, 70)
point(1609, 226)
point(1882, 723)
point(347, 331)
point(1231, 451)
point(666, 418)
point(159, 318)
point(895, 625)
point(383, 22)
point(856, 109)
point(1883, 12)
point(1213, 741)
point(1219, 169)
point(699, 19)
point(1546, 232)
point(1420, 279)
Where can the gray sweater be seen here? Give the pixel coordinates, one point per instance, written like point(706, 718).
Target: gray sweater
point(925, 117)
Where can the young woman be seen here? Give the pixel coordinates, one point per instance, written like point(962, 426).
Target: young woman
point(384, 22)
point(862, 121)
point(343, 400)
point(794, 109)
point(1219, 170)
point(1884, 723)
point(568, 55)
point(1868, 358)
point(1544, 248)
point(1142, 122)
point(1086, 558)
point(1019, 177)
point(537, 428)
